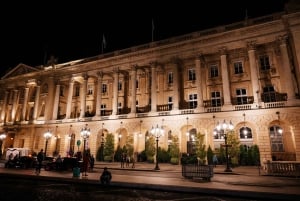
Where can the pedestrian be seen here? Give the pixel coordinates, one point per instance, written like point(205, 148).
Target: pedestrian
point(133, 162)
point(106, 176)
point(86, 162)
point(123, 158)
point(215, 160)
point(40, 158)
point(58, 162)
point(92, 162)
point(127, 160)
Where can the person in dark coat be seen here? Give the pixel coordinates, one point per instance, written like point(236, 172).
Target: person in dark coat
point(105, 176)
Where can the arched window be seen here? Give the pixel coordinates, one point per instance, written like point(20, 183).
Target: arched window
point(245, 133)
point(276, 137)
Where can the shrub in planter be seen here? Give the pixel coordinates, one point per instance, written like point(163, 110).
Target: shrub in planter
point(174, 160)
point(108, 158)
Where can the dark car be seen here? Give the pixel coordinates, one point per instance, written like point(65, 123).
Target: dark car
point(21, 162)
point(67, 164)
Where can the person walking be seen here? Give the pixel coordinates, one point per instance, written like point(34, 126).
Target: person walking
point(40, 158)
point(86, 162)
point(92, 162)
point(215, 160)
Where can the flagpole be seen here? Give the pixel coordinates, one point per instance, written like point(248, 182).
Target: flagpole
point(152, 30)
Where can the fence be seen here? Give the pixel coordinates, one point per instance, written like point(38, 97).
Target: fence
point(192, 171)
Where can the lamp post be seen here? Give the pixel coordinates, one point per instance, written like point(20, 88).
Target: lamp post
point(102, 145)
point(157, 132)
point(85, 134)
point(2, 137)
point(47, 136)
point(225, 128)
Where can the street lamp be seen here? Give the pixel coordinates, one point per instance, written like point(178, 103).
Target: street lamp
point(157, 132)
point(102, 144)
point(225, 128)
point(85, 134)
point(2, 137)
point(120, 134)
point(47, 136)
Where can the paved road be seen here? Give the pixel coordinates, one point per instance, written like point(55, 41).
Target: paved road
point(243, 182)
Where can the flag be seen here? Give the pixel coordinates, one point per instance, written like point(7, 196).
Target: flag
point(103, 43)
point(152, 29)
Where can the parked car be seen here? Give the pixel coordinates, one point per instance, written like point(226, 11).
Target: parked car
point(68, 163)
point(22, 162)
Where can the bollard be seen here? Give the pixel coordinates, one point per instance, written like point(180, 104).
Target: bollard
point(76, 172)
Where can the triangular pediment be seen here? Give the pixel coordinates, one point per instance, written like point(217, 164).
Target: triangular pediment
point(20, 69)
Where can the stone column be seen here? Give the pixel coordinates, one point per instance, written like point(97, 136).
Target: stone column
point(70, 98)
point(153, 87)
point(253, 72)
point(115, 92)
point(49, 107)
point(26, 93)
point(3, 111)
point(15, 104)
point(286, 75)
point(83, 89)
point(36, 102)
point(99, 94)
point(56, 102)
point(175, 86)
point(199, 84)
point(225, 77)
point(133, 91)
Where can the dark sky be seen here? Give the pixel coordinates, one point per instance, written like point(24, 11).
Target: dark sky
point(72, 30)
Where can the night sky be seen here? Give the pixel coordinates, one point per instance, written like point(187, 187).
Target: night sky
point(71, 30)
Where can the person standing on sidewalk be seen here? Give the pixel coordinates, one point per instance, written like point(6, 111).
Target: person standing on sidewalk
point(40, 158)
point(86, 162)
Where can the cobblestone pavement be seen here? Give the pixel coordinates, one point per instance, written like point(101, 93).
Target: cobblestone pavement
point(243, 181)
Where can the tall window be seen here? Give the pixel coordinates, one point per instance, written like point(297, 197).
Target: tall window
point(238, 67)
point(276, 138)
point(192, 100)
point(269, 94)
point(215, 99)
point(170, 77)
point(137, 83)
point(245, 133)
point(77, 90)
point(103, 108)
point(264, 63)
point(214, 72)
point(192, 74)
point(170, 102)
point(90, 89)
point(120, 86)
point(61, 90)
point(241, 95)
point(104, 88)
point(119, 108)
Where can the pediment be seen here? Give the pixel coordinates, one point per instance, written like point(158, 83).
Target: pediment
point(20, 69)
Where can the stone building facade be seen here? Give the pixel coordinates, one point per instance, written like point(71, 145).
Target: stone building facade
point(247, 73)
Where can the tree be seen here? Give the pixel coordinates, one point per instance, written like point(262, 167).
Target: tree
point(234, 150)
point(174, 150)
point(150, 149)
point(200, 148)
point(109, 147)
point(129, 145)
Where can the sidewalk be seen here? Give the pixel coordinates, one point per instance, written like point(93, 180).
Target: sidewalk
point(245, 181)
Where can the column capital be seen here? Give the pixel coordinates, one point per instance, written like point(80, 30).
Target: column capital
point(153, 64)
point(100, 74)
point(251, 45)
point(134, 67)
point(223, 50)
point(283, 39)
